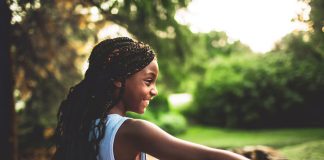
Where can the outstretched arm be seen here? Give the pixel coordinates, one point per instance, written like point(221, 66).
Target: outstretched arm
point(151, 139)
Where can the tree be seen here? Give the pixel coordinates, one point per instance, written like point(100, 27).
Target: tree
point(8, 147)
point(49, 41)
point(316, 21)
point(307, 44)
point(153, 22)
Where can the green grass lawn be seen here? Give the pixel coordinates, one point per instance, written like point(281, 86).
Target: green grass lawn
point(313, 150)
point(296, 144)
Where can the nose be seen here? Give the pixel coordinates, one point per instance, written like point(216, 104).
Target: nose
point(154, 91)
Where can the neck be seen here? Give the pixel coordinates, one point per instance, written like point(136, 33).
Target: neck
point(119, 108)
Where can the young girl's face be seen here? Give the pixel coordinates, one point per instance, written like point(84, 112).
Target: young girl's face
point(140, 88)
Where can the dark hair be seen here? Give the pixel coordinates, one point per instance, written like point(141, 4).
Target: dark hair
point(92, 98)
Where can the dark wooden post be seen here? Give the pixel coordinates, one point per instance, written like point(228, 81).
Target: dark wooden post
point(8, 139)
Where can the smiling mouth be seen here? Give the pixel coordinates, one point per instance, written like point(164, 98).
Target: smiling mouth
point(147, 101)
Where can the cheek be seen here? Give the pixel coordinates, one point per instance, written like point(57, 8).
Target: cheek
point(135, 96)
point(141, 94)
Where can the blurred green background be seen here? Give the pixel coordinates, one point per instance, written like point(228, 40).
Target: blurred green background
point(212, 90)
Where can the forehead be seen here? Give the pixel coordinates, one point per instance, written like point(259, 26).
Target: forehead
point(151, 69)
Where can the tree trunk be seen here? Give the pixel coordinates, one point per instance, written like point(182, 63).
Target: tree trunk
point(8, 140)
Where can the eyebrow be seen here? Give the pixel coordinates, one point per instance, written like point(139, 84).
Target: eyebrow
point(151, 73)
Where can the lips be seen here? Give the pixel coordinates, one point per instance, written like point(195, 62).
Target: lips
point(147, 102)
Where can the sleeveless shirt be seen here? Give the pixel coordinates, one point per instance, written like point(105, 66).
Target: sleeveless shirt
point(106, 146)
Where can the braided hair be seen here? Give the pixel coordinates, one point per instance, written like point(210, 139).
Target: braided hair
point(92, 98)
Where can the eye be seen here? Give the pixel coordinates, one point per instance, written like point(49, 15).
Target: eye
point(148, 81)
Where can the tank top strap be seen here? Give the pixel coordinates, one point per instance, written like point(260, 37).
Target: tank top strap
point(106, 146)
point(106, 151)
point(143, 156)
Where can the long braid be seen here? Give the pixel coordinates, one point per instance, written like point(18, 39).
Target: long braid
point(93, 97)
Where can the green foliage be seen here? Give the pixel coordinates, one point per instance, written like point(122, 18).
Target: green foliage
point(317, 25)
point(45, 62)
point(300, 45)
point(315, 34)
point(173, 123)
point(235, 89)
point(52, 38)
point(271, 90)
point(153, 22)
point(217, 43)
point(205, 46)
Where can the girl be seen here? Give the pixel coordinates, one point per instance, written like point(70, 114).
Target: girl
point(92, 124)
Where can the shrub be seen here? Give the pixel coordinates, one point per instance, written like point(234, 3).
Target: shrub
point(272, 90)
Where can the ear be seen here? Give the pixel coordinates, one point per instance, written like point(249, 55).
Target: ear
point(118, 84)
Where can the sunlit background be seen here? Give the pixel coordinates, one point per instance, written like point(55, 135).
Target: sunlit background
point(257, 23)
point(252, 22)
point(244, 75)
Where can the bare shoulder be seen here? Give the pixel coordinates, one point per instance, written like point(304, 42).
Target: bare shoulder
point(144, 136)
point(149, 138)
point(138, 128)
point(135, 136)
point(138, 123)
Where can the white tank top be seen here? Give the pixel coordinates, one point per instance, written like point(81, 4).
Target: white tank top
point(106, 146)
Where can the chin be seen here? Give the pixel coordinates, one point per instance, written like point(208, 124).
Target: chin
point(142, 111)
